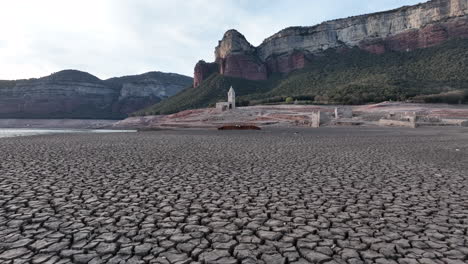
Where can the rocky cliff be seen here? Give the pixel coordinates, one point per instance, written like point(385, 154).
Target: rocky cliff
point(402, 29)
point(75, 94)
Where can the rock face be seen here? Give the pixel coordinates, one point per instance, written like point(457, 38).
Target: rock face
point(236, 57)
point(406, 22)
point(202, 71)
point(140, 91)
point(284, 64)
point(75, 94)
point(243, 66)
point(402, 29)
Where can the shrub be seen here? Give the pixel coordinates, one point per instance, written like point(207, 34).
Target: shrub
point(242, 103)
point(452, 97)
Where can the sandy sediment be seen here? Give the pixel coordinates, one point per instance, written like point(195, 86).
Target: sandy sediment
point(327, 195)
point(292, 115)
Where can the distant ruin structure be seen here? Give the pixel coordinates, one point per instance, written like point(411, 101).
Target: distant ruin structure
point(320, 118)
point(402, 119)
point(343, 112)
point(231, 102)
point(315, 119)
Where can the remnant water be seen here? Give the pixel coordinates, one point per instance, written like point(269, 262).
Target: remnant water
point(18, 132)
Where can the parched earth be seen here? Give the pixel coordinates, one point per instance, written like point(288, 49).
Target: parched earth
point(331, 195)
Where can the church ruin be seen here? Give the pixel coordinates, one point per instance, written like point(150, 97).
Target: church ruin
point(231, 102)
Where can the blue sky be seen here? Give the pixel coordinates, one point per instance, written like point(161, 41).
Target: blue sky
point(122, 37)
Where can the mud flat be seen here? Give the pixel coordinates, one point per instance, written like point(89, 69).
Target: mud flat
point(327, 195)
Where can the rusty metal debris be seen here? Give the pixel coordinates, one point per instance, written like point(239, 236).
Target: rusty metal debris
point(239, 127)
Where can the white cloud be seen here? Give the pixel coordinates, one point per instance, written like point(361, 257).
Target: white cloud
point(120, 37)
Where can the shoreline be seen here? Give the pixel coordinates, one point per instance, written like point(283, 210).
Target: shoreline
point(267, 116)
point(58, 123)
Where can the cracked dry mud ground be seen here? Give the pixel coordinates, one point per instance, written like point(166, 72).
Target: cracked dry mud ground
point(316, 196)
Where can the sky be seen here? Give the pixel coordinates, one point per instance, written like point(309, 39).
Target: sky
point(110, 38)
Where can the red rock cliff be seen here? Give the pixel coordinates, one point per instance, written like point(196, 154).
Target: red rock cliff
point(407, 28)
point(236, 58)
point(203, 70)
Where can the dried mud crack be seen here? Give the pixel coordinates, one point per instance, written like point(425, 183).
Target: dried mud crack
point(387, 196)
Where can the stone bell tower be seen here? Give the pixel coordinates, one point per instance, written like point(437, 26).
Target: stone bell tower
point(232, 98)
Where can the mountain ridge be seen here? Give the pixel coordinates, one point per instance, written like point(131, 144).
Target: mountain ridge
point(401, 29)
point(362, 59)
point(354, 77)
point(77, 94)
